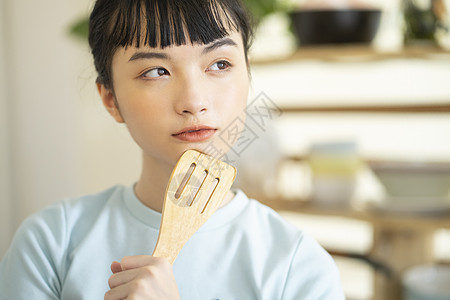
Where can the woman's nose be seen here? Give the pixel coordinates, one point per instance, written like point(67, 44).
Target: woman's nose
point(191, 98)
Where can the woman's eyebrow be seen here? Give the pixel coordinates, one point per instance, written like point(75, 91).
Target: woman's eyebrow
point(219, 43)
point(206, 50)
point(148, 55)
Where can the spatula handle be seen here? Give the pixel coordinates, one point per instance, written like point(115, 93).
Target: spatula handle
point(174, 234)
point(164, 252)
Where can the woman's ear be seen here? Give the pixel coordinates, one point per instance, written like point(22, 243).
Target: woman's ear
point(109, 102)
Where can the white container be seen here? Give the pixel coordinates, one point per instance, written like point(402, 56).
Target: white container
point(334, 166)
point(427, 282)
point(409, 179)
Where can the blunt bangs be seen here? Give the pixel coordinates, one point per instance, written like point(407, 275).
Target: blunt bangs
point(161, 23)
point(167, 23)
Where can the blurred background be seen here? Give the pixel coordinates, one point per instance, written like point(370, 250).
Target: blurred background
point(350, 103)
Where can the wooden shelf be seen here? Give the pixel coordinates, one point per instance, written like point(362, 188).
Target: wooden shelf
point(438, 107)
point(360, 53)
point(337, 53)
point(377, 218)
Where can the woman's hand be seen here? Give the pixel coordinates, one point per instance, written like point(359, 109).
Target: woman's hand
point(142, 277)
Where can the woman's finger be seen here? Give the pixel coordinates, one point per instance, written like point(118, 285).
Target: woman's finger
point(133, 262)
point(122, 277)
point(118, 293)
point(116, 267)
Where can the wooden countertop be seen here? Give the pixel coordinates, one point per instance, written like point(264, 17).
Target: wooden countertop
point(439, 219)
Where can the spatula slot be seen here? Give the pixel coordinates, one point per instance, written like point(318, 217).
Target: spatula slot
point(195, 184)
point(208, 194)
point(184, 181)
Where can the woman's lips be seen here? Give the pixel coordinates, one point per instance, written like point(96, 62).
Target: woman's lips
point(195, 134)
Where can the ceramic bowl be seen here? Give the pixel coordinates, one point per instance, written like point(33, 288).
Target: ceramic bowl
point(413, 179)
point(335, 26)
point(427, 282)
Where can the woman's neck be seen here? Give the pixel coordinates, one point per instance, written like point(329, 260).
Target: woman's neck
point(151, 186)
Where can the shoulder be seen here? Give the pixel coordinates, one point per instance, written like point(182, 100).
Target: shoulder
point(37, 257)
point(311, 272)
point(63, 214)
point(273, 239)
point(89, 207)
point(268, 219)
point(52, 226)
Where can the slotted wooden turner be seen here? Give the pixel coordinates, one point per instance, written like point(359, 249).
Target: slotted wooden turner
point(196, 188)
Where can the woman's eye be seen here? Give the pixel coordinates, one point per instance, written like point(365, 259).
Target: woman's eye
point(220, 66)
point(156, 72)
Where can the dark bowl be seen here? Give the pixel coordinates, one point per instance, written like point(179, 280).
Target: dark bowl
point(313, 27)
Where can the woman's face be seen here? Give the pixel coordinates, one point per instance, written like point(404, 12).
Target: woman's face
point(180, 97)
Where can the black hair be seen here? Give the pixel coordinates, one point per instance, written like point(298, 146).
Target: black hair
point(161, 23)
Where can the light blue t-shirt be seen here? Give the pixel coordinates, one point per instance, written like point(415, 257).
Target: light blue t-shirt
point(245, 251)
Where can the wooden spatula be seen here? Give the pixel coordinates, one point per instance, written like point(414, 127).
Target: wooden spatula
point(196, 188)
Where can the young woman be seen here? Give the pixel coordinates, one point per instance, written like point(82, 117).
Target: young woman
point(176, 74)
